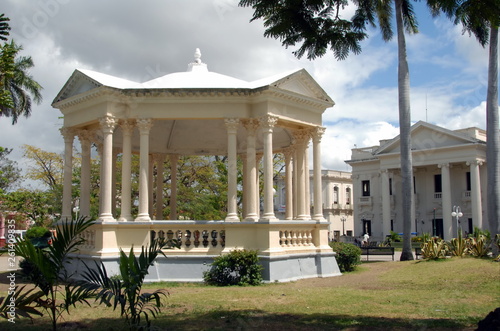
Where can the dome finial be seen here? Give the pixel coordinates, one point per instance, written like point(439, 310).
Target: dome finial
point(197, 56)
point(197, 65)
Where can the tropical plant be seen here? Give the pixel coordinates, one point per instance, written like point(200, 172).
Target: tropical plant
point(348, 256)
point(20, 85)
point(50, 275)
point(238, 267)
point(124, 290)
point(4, 27)
point(433, 249)
point(19, 302)
point(479, 246)
point(9, 172)
point(458, 246)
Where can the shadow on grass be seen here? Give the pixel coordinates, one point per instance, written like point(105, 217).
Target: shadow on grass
point(251, 320)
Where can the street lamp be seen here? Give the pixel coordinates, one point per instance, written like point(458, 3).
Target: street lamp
point(76, 209)
point(457, 213)
point(343, 219)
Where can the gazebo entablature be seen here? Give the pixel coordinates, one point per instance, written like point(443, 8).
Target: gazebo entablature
point(250, 120)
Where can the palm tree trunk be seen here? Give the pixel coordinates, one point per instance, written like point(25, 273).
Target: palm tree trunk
point(492, 137)
point(404, 134)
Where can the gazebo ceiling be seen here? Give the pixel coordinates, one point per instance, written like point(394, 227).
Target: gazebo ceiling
point(188, 109)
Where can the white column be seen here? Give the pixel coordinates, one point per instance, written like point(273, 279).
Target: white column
point(318, 199)
point(68, 135)
point(386, 203)
point(232, 169)
point(307, 179)
point(251, 189)
point(113, 181)
point(126, 192)
point(257, 184)
point(446, 201)
point(289, 183)
point(150, 185)
point(84, 137)
point(144, 125)
point(475, 194)
point(108, 124)
point(173, 186)
point(301, 138)
point(268, 124)
point(160, 164)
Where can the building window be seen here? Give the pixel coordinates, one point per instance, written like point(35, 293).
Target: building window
point(467, 178)
point(336, 195)
point(367, 227)
point(392, 225)
point(390, 186)
point(414, 185)
point(348, 196)
point(437, 184)
point(365, 188)
point(349, 233)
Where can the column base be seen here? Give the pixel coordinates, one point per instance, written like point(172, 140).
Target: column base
point(232, 218)
point(126, 218)
point(106, 218)
point(143, 218)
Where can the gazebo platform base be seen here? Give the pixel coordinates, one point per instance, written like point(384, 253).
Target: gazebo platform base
point(190, 268)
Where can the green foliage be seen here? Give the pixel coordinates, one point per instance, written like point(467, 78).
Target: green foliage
point(21, 301)
point(238, 267)
point(479, 246)
point(49, 274)
point(4, 27)
point(394, 237)
point(348, 255)
point(124, 290)
point(35, 205)
point(37, 232)
point(434, 248)
point(458, 246)
point(9, 172)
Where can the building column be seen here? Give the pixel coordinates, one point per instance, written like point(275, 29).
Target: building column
point(108, 124)
point(113, 181)
point(446, 201)
point(84, 137)
point(144, 125)
point(288, 153)
point(174, 158)
point(232, 169)
point(302, 139)
point(126, 192)
point(250, 193)
point(160, 164)
point(318, 198)
point(477, 216)
point(68, 135)
point(257, 184)
point(150, 185)
point(386, 203)
point(268, 123)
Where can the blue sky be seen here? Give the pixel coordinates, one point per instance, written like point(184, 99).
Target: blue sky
point(143, 40)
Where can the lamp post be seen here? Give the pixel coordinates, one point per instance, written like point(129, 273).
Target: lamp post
point(457, 213)
point(76, 209)
point(343, 219)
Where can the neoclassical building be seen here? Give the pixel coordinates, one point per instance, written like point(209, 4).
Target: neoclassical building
point(199, 112)
point(449, 169)
point(336, 195)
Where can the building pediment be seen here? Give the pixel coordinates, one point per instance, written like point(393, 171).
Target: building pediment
point(426, 136)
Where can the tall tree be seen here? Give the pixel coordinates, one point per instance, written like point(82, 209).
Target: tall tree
point(20, 85)
point(482, 19)
point(9, 172)
point(318, 25)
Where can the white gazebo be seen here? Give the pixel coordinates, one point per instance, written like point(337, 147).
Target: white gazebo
point(199, 112)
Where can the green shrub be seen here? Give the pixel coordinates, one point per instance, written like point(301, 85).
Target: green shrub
point(434, 248)
point(238, 267)
point(37, 232)
point(348, 255)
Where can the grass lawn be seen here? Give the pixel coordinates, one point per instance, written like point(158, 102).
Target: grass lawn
point(453, 294)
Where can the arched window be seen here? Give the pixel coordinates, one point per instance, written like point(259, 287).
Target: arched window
point(348, 196)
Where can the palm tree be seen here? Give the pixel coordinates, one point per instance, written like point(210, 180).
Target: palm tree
point(482, 19)
point(19, 85)
point(4, 27)
point(318, 25)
